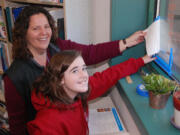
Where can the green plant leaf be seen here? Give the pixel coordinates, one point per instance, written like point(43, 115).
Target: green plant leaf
point(158, 84)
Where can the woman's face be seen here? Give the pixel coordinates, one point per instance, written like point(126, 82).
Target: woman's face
point(38, 34)
point(75, 78)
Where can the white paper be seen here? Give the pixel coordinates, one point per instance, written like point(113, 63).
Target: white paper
point(104, 123)
point(153, 38)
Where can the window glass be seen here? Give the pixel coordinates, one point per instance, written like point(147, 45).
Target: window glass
point(170, 33)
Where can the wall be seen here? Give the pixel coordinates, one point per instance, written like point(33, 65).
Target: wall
point(78, 19)
point(90, 21)
point(101, 20)
point(101, 10)
point(129, 16)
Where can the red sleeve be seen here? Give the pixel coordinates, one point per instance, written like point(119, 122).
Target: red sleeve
point(92, 54)
point(101, 82)
point(16, 109)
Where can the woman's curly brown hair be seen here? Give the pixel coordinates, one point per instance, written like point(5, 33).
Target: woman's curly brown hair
point(19, 49)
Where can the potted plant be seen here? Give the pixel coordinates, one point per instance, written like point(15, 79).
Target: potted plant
point(159, 89)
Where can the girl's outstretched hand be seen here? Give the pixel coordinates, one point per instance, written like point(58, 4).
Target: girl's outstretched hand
point(148, 59)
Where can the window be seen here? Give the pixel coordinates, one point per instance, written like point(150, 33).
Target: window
point(169, 11)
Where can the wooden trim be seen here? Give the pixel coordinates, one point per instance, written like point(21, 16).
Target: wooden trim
point(38, 2)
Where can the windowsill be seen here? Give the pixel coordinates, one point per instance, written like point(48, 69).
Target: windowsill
point(149, 121)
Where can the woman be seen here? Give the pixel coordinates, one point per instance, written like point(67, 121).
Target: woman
point(61, 93)
point(34, 42)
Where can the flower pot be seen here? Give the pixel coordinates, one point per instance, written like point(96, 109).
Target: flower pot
point(176, 101)
point(158, 101)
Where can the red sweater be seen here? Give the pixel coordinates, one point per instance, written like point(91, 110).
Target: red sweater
point(71, 119)
point(15, 104)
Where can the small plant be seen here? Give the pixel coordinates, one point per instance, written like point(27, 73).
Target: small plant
point(158, 84)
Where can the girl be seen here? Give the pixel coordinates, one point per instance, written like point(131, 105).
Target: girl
point(61, 93)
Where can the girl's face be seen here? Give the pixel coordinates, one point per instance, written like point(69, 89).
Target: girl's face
point(75, 78)
point(38, 34)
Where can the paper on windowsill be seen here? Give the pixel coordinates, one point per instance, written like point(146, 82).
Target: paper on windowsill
point(153, 38)
point(104, 123)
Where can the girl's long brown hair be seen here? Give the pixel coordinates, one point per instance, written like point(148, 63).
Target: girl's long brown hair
point(49, 83)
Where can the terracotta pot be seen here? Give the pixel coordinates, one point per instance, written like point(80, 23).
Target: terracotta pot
point(158, 101)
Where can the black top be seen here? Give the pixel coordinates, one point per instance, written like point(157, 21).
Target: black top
point(23, 73)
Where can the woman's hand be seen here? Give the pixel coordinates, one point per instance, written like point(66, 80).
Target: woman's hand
point(135, 38)
point(148, 59)
point(132, 40)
